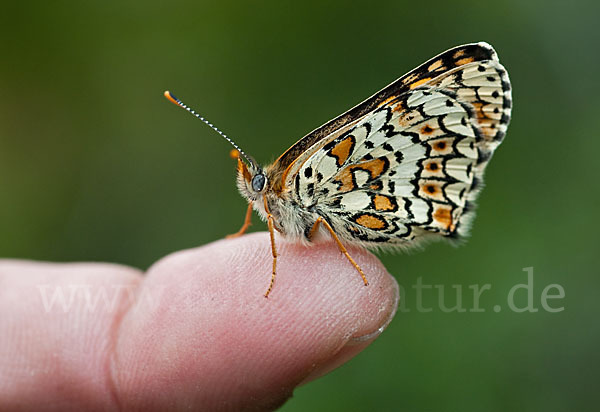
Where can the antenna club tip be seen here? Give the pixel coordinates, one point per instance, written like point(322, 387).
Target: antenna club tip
point(170, 97)
point(234, 154)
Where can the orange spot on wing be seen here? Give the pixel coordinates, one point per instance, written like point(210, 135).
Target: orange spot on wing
point(479, 110)
point(398, 107)
point(441, 146)
point(419, 82)
point(443, 215)
point(465, 61)
point(431, 189)
point(435, 65)
point(485, 122)
point(342, 150)
point(371, 222)
point(383, 203)
point(434, 168)
point(345, 178)
point(410, 78)
point(459, 53)
point(426, 129)
point(375, 168)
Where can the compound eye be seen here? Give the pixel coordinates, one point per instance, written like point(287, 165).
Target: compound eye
point(258, 182)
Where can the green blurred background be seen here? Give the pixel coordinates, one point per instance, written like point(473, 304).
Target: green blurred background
point(96, 165)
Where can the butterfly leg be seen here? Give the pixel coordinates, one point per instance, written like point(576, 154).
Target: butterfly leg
point(313, 230)
point(247, 222)
point(273, 249)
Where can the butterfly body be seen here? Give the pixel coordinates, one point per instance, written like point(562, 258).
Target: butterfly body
point(404, 166)
point(291, 219)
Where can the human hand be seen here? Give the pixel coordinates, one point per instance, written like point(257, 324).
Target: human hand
point(194, 332)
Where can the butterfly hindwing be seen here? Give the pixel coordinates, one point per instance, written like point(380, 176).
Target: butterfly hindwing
point(408, 162)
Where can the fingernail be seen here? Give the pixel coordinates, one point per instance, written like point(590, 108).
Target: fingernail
point(369, 337)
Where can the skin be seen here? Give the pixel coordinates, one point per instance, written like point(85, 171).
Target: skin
point(193, 332)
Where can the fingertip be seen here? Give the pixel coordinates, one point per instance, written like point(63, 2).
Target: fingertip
point(225, 334)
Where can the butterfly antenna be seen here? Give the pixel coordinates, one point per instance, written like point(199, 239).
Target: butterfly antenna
point(171, 97)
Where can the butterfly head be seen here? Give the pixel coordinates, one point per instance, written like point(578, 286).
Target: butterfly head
point(251, 179)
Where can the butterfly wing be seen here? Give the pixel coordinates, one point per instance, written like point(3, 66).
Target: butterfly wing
point(407, 163)
point(289, 162)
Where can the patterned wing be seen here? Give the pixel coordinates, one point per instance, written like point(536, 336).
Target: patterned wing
point(283, 171)
point(412, 166)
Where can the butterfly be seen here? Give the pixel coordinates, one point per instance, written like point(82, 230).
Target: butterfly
point(402, 167)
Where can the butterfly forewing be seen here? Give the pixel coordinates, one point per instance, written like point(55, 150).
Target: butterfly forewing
point(406, 163)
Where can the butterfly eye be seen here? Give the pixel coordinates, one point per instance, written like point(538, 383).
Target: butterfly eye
point(258, 182)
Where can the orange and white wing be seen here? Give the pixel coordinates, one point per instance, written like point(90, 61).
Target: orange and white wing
point(407, 163)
